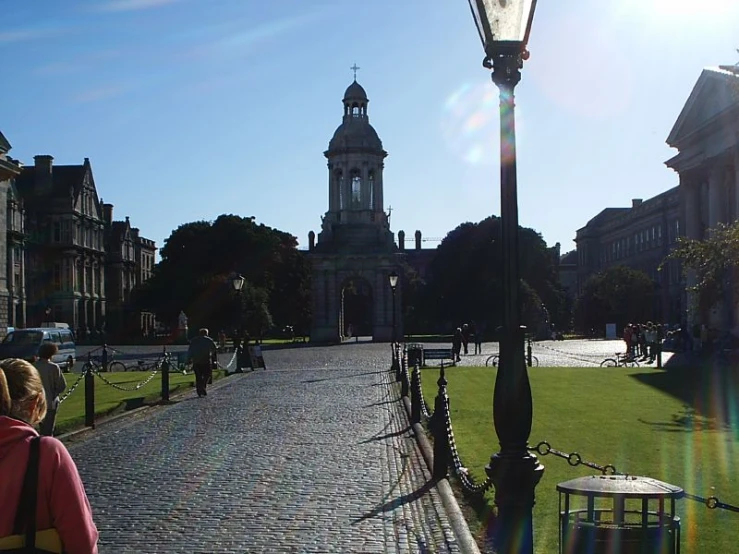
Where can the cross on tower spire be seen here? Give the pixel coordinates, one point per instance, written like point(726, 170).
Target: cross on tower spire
point(355, 68)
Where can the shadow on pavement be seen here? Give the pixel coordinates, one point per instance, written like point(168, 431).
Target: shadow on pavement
point(397, 502)
point(386, 436)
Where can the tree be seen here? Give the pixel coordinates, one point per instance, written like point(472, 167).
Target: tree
point(198, 260)
point(617, 295)
point(465, 278)
point(713, 260)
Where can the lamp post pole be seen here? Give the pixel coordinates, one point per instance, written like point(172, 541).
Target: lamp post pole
point(504, 30)
point(393, 279)
point(237, 281)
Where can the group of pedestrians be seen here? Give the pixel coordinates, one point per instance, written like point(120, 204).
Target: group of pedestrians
point(461, 340)
point(643, 340)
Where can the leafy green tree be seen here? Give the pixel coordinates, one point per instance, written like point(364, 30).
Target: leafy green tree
point(198, 260)
point(465, 280)
point(713, 261)
point(617, 295)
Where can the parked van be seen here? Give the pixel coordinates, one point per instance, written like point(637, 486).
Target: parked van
point(24, 343)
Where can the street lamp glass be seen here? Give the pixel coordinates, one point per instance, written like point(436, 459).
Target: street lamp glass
point(503, 20)
point(393, 280)
point(238, 282)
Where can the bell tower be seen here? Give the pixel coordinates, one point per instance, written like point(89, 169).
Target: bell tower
point(355, 251)
point(355, 164)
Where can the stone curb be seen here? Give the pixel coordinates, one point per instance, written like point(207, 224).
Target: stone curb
point(457, 521)
point(71, 435)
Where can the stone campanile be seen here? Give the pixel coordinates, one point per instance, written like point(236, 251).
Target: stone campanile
point(355, 251)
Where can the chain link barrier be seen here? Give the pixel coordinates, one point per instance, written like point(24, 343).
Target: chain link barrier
point(419, 394)
point(595, 360)
point(156, 365)
point(71, 389)
point(468, 483)
point(227, 366)
point(574, 459)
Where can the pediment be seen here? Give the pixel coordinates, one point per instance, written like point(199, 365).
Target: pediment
point(4, 144)
point(715, 92)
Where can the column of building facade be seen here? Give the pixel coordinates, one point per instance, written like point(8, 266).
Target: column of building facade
point(691, 196)
point(716, 195)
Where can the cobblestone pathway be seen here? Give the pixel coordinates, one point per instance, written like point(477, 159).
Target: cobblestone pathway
point(312, 455)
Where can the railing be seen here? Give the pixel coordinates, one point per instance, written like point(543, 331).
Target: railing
point(446, 454)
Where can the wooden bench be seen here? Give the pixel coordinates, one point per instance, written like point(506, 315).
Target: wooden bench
point(438, 354)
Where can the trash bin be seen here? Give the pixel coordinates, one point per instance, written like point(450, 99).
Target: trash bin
point(415, 355)
point(181, 360)
point(618, 513)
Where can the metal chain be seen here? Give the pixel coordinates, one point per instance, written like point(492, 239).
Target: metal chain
point(574, 459)
point(459, 469)
point(71, 389)
point(419, 393)
point(233, 359)
point(594, 360)
point(129, 389)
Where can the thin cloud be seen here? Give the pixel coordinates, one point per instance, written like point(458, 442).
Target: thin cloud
point(19, 35)
point(100, 93)
point(133, 5)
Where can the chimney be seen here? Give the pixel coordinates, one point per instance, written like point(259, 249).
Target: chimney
point(401, 241)
point(43, 165)
point(108, 213)
point(418, 240)
point(635, 202)
point(311, 240)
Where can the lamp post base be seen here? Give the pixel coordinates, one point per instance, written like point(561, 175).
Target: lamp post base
point(515, 477)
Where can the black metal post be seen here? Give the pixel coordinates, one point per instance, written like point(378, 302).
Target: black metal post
point(404, 385)
point(89, 394)
point(438, 428)
point(528, 351)
point(416, 395)
point(513, 470)
point(165, 376)
point(104, 359)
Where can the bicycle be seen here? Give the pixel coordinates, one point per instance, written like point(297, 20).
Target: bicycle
point(622, 359)
point(139, 365)
point(495, 358)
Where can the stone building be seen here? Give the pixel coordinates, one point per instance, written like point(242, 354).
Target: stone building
point(129, 262)
point(355, 252)
point(639, 237)
point(64, 249)
point(9, 169)
point(706, 138)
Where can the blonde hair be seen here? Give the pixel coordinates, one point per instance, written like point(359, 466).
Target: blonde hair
point(21, 390)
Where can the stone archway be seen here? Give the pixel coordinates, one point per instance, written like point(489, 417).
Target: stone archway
point(356, 308)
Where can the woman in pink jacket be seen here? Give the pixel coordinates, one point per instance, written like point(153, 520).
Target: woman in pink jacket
point(61, 501)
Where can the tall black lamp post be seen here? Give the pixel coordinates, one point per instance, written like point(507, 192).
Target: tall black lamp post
point(237, 281)
point(503, 26)
point(393, 279)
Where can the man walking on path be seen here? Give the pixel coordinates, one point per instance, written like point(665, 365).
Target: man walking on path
point(203, 354)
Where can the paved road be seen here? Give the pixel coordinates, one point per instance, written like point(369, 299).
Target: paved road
point(312, 455)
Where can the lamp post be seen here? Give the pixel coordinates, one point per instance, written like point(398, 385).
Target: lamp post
point(503, 26)
point(393, 279)
point(237, 281)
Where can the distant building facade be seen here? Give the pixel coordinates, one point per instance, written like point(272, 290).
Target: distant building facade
point(57, 260)
point(9, 169)
point(705, 135)
point(639, 237)
point(130, 262)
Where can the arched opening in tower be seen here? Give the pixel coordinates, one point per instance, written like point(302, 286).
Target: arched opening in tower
point(356, 308)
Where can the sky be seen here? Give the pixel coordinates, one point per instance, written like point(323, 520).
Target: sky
point(189, 109)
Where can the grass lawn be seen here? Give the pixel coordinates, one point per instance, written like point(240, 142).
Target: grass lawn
point(109, 400)
point(681, 427)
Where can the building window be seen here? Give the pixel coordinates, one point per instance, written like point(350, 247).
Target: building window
point(356, 190)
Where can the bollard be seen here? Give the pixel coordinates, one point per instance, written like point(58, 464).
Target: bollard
point(441, 437)
point(165, 376)
point(89, 394)
point(659, 354)
point(404, 385)
point(104, 359)
point(396, 362)
point(416, 395)
point(528, 352)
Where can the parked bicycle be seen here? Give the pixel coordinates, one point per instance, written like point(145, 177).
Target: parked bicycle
point(621, 359)
point(495, 358)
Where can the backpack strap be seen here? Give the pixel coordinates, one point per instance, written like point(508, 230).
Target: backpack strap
point(25, 515)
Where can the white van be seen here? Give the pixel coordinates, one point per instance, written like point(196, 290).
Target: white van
point(24, 343)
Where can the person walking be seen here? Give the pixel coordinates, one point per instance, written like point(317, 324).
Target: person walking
point(466, 338)
point(477, 330)
point(54, 384)
point(60, 503)
point(203, 354)
point(457, 344)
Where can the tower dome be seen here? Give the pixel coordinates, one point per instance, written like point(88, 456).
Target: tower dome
point(355, 92)
point(355, 130)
